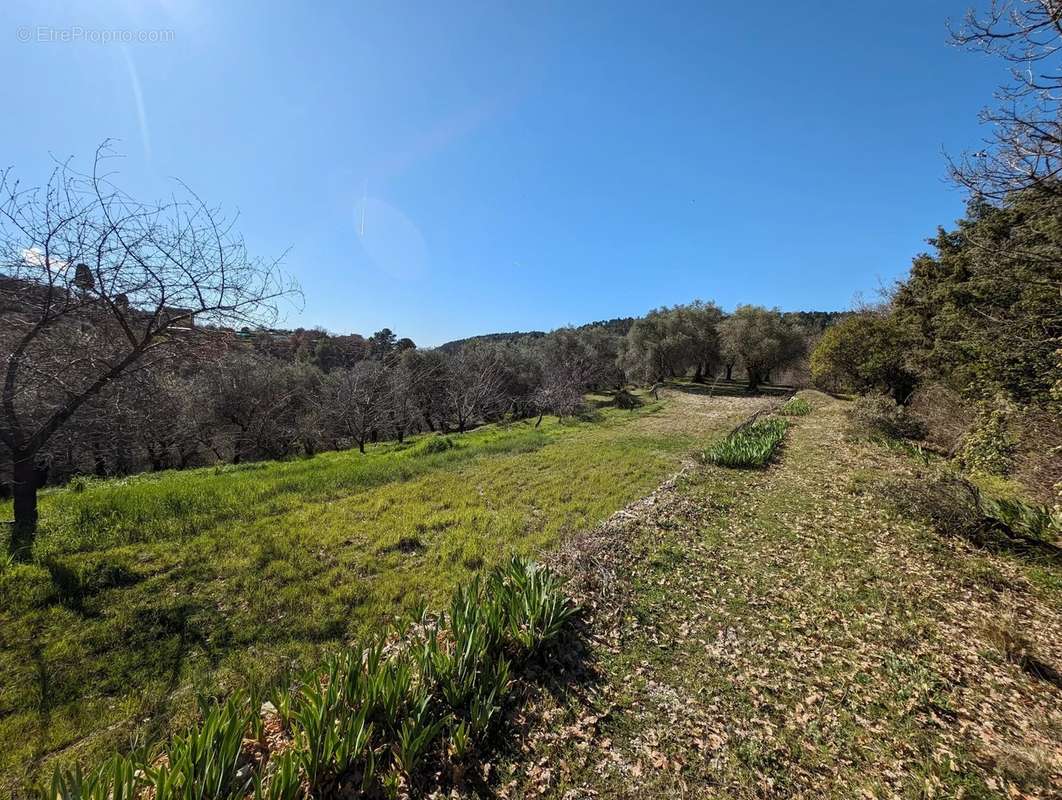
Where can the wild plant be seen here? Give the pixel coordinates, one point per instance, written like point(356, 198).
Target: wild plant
point(416, 734)
point(750, 446)
point(283, 781)
point(117, 779)
point(1023, 518)
point(795, 407)
point(205, 762)
point(530, 602)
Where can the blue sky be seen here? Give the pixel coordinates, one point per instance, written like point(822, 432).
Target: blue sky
point(450, 168)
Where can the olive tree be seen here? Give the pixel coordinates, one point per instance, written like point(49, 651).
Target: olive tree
point(761, 340)
point(700, 321)
point(657, 346)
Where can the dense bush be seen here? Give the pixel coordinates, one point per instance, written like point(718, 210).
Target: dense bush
point(750, 446)
point(864, 353)
point(988, 447)
point(878, 415)
point(983, 309)
point(946, 415)
point(370, 720)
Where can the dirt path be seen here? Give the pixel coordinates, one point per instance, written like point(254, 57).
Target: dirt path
point(780, 634)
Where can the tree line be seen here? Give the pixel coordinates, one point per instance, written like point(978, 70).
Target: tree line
point(232, 403)
point(977, 323)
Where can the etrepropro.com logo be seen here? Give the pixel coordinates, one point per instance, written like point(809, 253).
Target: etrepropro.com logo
point(77, 33)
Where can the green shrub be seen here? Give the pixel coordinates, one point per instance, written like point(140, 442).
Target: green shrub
point(434, 444)
point(1038, 522)
point(370, 719)
point(795, 407)
point(988, 447)
point(878, 415)
point(749, 446)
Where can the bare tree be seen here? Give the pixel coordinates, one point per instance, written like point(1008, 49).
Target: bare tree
point(1025, 146)
point(356, 402)
point(257, 402)
point(473, 385)
point(95, 284)
point(557, 395)
point(427, 371)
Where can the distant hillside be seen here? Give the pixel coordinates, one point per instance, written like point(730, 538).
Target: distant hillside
point(619, 326)
point(512, 336)
point(810, 321)
point(816, 321)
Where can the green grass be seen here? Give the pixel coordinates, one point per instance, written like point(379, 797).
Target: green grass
point(149, 592)
point(750, 446)
point(373, 717)
point(795, 407)
point(175, 505)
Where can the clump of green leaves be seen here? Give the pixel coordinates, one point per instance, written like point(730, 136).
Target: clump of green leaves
point(1038, 522)
point(989, 447)
point(795, 407)
point(370, 719)
point(749, 446)
point(116, 779)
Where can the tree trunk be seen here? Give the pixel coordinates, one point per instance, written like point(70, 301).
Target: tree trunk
point(754, 380)
point(238, 445)
point(698, 376)
point(539, 420)
point(729, 370)
point(361, 445)
point(99, 464)
point(24, 491)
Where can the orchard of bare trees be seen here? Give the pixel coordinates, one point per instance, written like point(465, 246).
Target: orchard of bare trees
point(136, 337)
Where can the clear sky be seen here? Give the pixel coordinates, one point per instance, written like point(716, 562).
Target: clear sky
point(452, 168)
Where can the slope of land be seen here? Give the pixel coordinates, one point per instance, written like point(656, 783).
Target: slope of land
point(784, 633)
point(152, 591)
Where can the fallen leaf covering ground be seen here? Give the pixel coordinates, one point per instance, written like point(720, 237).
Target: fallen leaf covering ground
point(781, 633)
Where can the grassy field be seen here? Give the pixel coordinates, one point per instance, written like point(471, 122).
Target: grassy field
point(788, 633)
point(150, 592)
